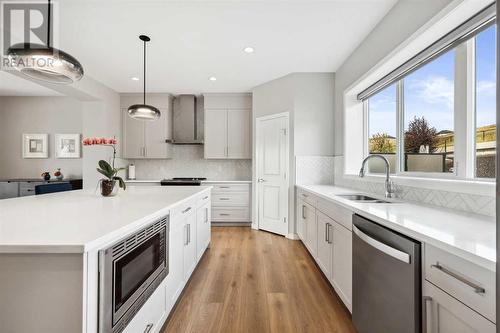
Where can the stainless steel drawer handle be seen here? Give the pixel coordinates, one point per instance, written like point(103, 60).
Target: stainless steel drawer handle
point(326, 233)
point(224, 214)
point(304, 211)
point(224, 199)
point(424, 312)
point(224, 187)
point(186, 210)
point(400, 255)
point(305, 195)
point(148, 328)
point(205, 198)
point(478, 289)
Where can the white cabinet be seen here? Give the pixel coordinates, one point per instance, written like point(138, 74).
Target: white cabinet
point(325, 230)
point(445, 314)
point(325, 243)
point(9, 189)
point(175, 278)
point(228, 134)
point(342, 263)
point(301, 219)
point(146, 139)
point(230, 202)
point(311, 230)
point(202, 229)
point(189, 254)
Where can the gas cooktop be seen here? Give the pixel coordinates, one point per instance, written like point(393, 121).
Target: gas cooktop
point(182, 181)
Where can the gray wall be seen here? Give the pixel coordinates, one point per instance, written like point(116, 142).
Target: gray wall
point(309, 100)
point(404, 19)
point(50, 115)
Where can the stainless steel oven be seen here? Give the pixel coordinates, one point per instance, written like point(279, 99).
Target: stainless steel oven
point(130, 270)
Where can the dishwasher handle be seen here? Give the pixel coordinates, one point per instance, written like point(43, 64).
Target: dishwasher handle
point(399, 255)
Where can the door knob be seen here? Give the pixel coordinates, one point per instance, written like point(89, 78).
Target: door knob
point(260, 180)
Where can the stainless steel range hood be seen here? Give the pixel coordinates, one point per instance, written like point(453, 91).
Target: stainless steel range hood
point(187, 120)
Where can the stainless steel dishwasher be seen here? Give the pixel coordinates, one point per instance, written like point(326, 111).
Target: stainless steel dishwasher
point(386, 280)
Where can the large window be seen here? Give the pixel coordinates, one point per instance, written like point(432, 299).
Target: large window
point(382, 128)
point(485, 149)
point(439, 117)
point(428, 116)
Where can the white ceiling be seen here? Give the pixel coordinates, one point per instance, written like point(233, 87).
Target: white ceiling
point(194, 40)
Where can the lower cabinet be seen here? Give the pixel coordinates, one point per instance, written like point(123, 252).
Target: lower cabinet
point(202, 229)
point(189, 251)
point(445, 314)
point(341, 278)
point(325, 243)
point(175, 277)
point(311, 236)
point(328, 240)
point(151, 316)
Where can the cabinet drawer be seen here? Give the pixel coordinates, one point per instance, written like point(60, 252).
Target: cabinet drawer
point(230, 199)
point(338, 213)
point(306, 197)
point(231, 214)
point(469, 283)
point(223, 188)
point(203, 199)
point(149, 318)
point(183, 209)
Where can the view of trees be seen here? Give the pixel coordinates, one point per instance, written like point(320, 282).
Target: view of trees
point(420, 133)
point(382, 143)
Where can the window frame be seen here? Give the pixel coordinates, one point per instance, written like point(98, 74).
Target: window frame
point(464, 118)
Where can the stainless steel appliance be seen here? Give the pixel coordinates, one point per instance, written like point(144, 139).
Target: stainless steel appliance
point(386, 280)
point(180, 181)
point(187, 120)
point(129, 272)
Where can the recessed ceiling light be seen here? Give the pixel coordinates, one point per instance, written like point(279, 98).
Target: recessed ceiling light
point(212, 78)
point(248, 49)
point(134, 78)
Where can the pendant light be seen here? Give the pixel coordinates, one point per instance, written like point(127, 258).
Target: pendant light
point(144, 111)
point(43, 62)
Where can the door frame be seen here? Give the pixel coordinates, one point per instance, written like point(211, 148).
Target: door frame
point(256, 222)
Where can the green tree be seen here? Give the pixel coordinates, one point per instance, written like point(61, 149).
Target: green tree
point(420, 133)
point(382, 143)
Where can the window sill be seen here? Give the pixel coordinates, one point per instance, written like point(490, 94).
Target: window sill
point(472, 186)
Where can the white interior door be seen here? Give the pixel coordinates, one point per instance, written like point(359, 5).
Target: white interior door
point(272, 169)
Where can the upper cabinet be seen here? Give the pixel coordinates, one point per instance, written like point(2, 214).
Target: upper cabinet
point(228, 124)
point(147, 139)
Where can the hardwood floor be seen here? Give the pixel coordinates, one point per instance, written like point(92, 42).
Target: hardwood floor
point(254, 281)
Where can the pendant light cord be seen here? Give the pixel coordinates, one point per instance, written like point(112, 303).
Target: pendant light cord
point(144, 93)
point(48, 25)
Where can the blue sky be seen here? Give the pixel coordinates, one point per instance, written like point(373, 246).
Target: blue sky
point(428, 91)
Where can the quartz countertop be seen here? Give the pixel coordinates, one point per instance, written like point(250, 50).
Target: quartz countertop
point(79, 221)
point(466, 235)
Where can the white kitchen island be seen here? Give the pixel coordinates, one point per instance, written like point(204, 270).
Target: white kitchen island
point(49, 248)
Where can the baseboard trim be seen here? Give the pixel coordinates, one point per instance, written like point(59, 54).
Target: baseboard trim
point(292, 236)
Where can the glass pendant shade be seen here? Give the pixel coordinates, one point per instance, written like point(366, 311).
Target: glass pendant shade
point(45, 63)
point(143, 112)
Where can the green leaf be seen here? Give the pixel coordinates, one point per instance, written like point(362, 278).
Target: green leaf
point(120, 182)
point(104, 173)
point(106, 167)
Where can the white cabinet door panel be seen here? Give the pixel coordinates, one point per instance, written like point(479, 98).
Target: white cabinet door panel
point(324, 236)
point(189, 245)
point(133, 136)
point(156, 132)
point(202, 229)
point(215, 133)
point(342, 263)
point(175, 278)
point(301, 224)
point(311, 230)
point(446, 314)
point(238, 134)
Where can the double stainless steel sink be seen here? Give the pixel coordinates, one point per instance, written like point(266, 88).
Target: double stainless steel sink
point(362, 198)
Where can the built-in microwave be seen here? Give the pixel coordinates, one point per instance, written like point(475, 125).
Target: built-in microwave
point(130, 270)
